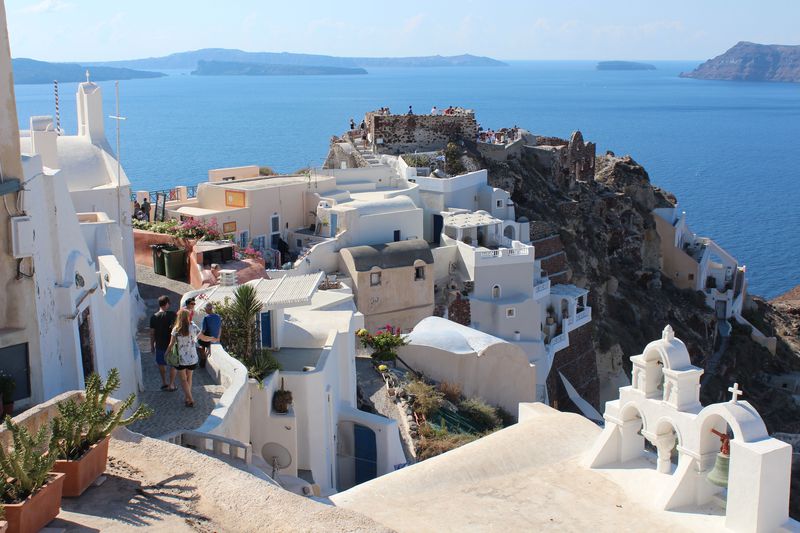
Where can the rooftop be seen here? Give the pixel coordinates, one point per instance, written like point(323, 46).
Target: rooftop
point(287, 291)
point(471, 220)
point(262, 182)
point(391, 255)
point(447, 335)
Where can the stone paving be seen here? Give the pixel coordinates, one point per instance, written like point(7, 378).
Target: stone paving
point(170, 413)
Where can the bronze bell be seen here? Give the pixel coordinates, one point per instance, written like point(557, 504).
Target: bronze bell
point(719, 474)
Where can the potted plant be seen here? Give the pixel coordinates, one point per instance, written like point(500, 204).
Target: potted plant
point(82, 431)
point(7, 388)
point(3, 522)
point(384, 344)
point(30, 492)
point(281, 400)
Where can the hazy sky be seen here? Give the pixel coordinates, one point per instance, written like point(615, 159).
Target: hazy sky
point(83, 30)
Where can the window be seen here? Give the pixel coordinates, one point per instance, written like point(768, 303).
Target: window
point(691, 277)
point(496, 292)
point(375, 279)
point(499, 203)
point(419, 273)
point(511, 312)
point(276, 224)
point(299, 243)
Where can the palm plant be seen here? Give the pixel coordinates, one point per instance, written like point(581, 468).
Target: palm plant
point(83, 424)
point(26, 467)
point(244, 311)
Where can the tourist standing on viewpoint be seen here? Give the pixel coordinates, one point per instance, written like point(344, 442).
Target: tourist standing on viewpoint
point(185, 335)
point(146, 209)
point(352, 124)
point(160, 335)
point(212, 326)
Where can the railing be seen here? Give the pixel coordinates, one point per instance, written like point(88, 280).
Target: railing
point(559, 342)
point(191, 191)
point(584, 316)
point(171, 194)
point(212, 445)
point(504, 252)
point(541, 288)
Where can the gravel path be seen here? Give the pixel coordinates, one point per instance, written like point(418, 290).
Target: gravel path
point(170, 413)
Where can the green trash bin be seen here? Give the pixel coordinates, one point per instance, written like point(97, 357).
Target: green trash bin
point(174, 259)
point(158, 258)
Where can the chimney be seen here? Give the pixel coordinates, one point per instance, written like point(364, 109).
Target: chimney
point(227, 278)
point(44, 140)
point(90, 112)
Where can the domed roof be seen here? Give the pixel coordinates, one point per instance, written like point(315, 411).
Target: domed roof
point(671, 350)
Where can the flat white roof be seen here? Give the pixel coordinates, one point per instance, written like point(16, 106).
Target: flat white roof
point(287, 291)
point(568, 290)
point(471, 220)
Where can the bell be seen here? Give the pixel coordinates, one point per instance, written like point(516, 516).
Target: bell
point(719, 474)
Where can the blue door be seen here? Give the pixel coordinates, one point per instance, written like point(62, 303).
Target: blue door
point(334, 222)
point(266, 330)
point(438, 224)
point(244, 239)
point(366, 453)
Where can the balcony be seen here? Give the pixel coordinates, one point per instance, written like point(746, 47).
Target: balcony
point(541, 288)
point(574, 322)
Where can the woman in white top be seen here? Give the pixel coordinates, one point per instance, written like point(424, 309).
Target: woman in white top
point(185, 333)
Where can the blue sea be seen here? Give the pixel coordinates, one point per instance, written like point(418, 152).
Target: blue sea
point(727, 150)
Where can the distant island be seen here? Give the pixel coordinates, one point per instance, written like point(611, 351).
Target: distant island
point(752, 62)
point(190, 60)
point(30, 72)
point(624, 65)
point(234, 68)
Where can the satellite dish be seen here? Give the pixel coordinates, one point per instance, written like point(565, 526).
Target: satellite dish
point(277, 456)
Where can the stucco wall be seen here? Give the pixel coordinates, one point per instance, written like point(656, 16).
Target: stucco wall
point(231, 415)
point(500, 374)
point(676, 264)
point(17, 310)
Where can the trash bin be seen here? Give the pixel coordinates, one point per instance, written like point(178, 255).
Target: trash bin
point(174, 259)
point(158, 258)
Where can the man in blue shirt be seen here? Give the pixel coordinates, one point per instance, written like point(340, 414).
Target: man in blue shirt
point(212, 327)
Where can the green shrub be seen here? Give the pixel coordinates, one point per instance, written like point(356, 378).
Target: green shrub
point(427, 400)
point(26, 467)
point(239, 323)
point(80, 425)
point(266, 171)
point(263, 364)
point(452, 160)
point(433, 442)
point(480, 412)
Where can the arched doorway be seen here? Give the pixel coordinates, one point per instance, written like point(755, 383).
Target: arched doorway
point(509, 232)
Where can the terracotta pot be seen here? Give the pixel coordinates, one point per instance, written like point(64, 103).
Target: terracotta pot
point(82, 473)
point(3, 526)
point(38, 509)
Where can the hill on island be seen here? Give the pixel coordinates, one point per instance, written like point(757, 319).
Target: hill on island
point(624, 65)
point(752, 62)
point(190, 60)
point(235, 68)
point(30, 71)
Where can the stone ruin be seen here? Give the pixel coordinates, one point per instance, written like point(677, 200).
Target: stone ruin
point(566, 161)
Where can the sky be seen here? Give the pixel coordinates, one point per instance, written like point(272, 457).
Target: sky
point(104, 30)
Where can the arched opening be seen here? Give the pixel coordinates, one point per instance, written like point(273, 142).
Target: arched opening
point(496, 292)
point(632, 441)
point(667, 440)
point(564, 309)
point(509, 232)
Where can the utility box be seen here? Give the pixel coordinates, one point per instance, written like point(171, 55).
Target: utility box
point(21, 237)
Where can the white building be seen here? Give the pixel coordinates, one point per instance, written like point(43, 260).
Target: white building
point(95, 180)
point(71, 267)
point(312, 334)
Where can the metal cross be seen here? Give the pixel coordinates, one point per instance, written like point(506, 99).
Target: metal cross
point(735, 392)
point(87, 75)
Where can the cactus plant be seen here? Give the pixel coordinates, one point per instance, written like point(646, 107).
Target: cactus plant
point(83, 424)
point(26, 467)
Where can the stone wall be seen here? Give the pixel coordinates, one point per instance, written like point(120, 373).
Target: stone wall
point(396, 134)
point(566, 161)
point(541, 229)
point(459, 310)
point(500, 152)
point(578, 363)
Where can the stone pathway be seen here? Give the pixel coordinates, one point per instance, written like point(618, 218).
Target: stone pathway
point(170, 413)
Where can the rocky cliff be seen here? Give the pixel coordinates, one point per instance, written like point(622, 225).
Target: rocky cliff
point(608, 232)
point(752, 62)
